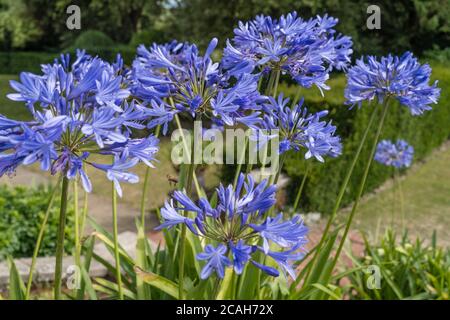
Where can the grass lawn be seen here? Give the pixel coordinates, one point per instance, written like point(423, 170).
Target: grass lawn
point(426, 190)
point(11, 109)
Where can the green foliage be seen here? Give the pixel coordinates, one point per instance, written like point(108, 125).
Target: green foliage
point(92, 39)
point(415, 25)
point(16, 29)
point(147, 37)
point(98, 43)
point(425, 133)
point(15, 62)
point(22, 212)
point(405, 24)
point(436, 54)
point(41, 24)
point(409, 270)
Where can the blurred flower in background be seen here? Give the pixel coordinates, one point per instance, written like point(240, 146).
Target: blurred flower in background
point(399, 154)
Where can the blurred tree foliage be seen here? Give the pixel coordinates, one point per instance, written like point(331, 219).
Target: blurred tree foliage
point(16, 30)
point(416, 25)
point(44, 21)
point(405, 24)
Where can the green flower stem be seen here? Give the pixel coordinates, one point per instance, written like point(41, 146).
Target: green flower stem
point(401, 198)
point(116, 243)
point(39, 239)
point(297, 97)
point(60, 238)
point(274, 178)
point(183, 138)
point(394, 198)
point(80, 294)
point(241, 160)
point(85, 211)
point(262, 258)
point(341, 193)
point(191, 173)
point(77, 250)
point(216, 288)
point(277, 81)
point(300, 189)
point(362, 184)
point(146, 185)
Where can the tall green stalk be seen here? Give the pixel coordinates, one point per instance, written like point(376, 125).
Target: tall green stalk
point(300, 189)
point(85, 207)
point(241, 160)
point(146, 185)
point(39, 239)
point(274, 177)
point(60, 237)
point(341, 193)
point(362, 184)
point(116, 243)
point(277, 81)
point(77, 250)
point(398, 182)
point(191, 170)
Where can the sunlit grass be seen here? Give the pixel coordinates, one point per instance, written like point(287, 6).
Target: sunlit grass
point(426, 189)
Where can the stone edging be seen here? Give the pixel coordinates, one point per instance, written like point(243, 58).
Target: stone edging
point(45, 266)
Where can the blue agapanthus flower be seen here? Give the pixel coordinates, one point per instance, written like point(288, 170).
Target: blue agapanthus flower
point(174, 78)
point(399, 154)
point(78, 109)
point(217, 261)
point(402, 78)
point(297, 129)
point(307, 50)
point(238, 224)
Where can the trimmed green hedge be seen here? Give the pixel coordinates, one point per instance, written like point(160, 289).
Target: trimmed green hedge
point(424, 132)
point(12, 62)
point(22, 210)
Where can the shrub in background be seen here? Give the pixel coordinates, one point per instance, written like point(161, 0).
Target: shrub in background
point(92, 39)
point(22, 210)
point(147, 37)
point(440, 55)
point(12, 62)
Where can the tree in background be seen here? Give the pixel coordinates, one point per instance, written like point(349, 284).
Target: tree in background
point(406, 25)
point(16, 30)
point(415, 25)
point(27, 24)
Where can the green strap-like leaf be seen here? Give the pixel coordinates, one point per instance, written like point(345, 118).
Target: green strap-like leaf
point(16, 285)
point(159, 282)
point(226, 286)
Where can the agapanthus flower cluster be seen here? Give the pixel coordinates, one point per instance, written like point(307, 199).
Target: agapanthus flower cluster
point(402, 78)
point(174, 78)
point(307, 50)
point(399, 154)
point(238, 224)
point(297, 129)
point(78, 109)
